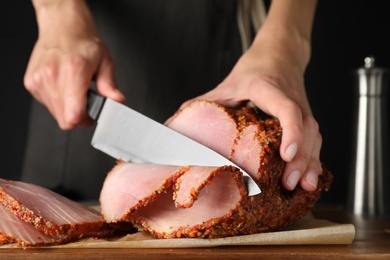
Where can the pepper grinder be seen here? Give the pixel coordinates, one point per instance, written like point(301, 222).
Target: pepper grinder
point(369, 193)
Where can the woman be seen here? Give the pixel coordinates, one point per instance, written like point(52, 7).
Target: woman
point(165, 52)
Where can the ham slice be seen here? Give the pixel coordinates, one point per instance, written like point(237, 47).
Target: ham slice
point(232, 133)
point(32, 216)
point(12, 230)
point(193, 195)
point(210, 202)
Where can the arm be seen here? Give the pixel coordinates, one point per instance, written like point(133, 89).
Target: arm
point(67, 56)
point(271, 74)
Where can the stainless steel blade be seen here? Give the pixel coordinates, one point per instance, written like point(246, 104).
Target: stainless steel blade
point(126, 134)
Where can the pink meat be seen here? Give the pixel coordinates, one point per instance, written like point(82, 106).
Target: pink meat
point(14, 229)
point(58, 209)
point(210, 202)
point(211, 125)
point(54, 218)
point(214, 126)
point(247, 150)
point(167, 199)
point(122, 191)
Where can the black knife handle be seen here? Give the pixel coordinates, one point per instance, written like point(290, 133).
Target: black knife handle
point(95, 104)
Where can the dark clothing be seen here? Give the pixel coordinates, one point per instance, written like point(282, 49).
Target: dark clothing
point(165, 53)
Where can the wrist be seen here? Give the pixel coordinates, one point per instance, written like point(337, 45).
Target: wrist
point(287, 30)
point(285, 43)
point(55, 5)
point(64, 18)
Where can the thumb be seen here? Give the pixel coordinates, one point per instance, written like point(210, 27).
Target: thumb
point(105, 81)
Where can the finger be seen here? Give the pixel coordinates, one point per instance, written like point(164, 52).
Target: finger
point(41, 80)
point(32, 84)
point(309, 180)
point(50, 90)
point(290, 117)
point(105, 81)
point(76, 78)
point(295, 169)
point(35, 76)
point(274, 102)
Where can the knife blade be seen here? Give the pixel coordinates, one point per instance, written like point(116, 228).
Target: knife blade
point(126, 134)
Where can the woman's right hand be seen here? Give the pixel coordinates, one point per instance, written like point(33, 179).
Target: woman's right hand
point(67, 56)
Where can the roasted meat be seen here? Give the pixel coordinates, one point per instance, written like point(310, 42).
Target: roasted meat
point(211, 202)
point(32, 215)
point(13, 229)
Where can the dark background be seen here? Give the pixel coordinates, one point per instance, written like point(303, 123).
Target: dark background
point(345, 32)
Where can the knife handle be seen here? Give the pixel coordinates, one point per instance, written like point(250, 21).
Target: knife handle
point(95, 104)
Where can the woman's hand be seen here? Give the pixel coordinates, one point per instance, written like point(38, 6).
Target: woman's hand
point(67, 56)
point(271, 74)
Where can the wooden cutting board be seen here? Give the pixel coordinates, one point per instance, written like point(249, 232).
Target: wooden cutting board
point(307, 231)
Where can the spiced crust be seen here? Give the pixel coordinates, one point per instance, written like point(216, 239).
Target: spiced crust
point(272, 209)
point(60, 233)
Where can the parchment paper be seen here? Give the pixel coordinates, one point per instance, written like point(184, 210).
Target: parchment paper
point(307, 231)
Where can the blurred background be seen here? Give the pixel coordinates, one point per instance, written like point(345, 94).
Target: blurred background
point(344, 33)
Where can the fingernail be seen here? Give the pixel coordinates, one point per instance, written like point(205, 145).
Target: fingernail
point(119, 94)
point(293, 179)
point(291, 151)
point(312, 178)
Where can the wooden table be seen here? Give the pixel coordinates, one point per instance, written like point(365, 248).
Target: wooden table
point(372, 242)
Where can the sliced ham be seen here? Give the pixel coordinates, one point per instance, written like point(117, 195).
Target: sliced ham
point(209, 124)
point(232, 133)
point(124, 192)
point(193, 195)
point(12, 230)
point(211, 202)
point(47, 217)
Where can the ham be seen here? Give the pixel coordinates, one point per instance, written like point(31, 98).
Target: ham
point(193, 195)
point(232, 133)
point(211, 202)
point(33, 215)
point(13, 230)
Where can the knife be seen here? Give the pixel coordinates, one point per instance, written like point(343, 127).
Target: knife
point(126, 134)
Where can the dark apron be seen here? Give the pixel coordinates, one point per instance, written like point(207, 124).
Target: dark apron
point(165, 52)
